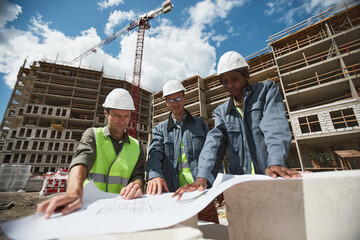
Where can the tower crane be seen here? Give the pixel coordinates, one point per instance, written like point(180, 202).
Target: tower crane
point(142, 23)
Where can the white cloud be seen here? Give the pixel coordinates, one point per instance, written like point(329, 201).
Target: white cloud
point(109, 3)
point(219, 38)
point(208, 12)
point(39, 42)
point(170, 52)
point(290, 14)
point(8, 12)
point(116, 18)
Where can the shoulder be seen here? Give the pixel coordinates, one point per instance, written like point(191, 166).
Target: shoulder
point(263, 85)
point(89, 133)
point(161, 126)
point(134, 140)
point(223, 107)
point(198, 120)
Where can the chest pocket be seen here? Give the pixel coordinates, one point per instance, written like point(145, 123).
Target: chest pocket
point(197, 142)
point(254, 114)
point(169, 147)
point(234, 136)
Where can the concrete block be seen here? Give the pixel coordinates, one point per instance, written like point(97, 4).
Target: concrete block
point(318, 206)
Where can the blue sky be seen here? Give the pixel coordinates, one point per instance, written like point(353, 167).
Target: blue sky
point(187, 41)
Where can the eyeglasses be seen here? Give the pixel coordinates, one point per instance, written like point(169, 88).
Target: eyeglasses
point(172, 101)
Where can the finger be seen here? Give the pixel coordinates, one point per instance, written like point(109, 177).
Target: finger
point(72, 207)
point(152, 188)
point(122, 191)
point(270, 173)
point(159, 187)
point(138, 193)
point(126, 193)
point(42, 206)
point(293, 173)
point(165, 187)
point(201, 188)
point(181, 193)
point(280, 172)
point(128, 189)
point(148, 188)
point(176, 192)
point(56, 202)
point(130, 194)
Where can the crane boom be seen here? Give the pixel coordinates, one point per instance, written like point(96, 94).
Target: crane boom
point(164, 8)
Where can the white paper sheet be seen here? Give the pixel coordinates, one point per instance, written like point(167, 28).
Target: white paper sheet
point(104, 213)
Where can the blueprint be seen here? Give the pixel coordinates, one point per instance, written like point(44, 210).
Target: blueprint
point(106, 213)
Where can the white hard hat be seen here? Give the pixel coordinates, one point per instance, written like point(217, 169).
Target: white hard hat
point(171, 87)
point(231, 61)
point(119, 98)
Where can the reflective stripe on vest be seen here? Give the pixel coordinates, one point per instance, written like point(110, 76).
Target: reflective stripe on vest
point(185, 176)
point(252, 165)
point(110, 173)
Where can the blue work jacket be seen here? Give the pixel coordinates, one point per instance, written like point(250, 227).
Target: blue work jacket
point(262, 136)
point(164, 149)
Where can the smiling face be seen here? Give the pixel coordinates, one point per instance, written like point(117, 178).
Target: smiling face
point(118, 120)
point(176, 105)
point(234, 82)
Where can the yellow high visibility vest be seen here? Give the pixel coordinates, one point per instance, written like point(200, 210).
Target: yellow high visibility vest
point(111, 173)
point(185, 176)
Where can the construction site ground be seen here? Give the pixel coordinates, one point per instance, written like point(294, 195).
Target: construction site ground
point(15, 205)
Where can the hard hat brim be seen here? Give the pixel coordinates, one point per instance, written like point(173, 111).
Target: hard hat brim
point(235, 69)
point(167, 94)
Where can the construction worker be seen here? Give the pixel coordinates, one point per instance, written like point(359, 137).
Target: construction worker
point(252, 125)
point(106, 155)
point(175, 147)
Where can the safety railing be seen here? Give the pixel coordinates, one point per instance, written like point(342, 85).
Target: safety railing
point(322, 78)
point(319, 57)
point(217, 97)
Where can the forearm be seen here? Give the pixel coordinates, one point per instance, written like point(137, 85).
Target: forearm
point(213, 150)
point(76, 178)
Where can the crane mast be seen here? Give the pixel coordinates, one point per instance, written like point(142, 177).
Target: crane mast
point(142, 23)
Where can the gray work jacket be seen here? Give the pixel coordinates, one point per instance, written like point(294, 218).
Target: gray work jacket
point(263, 136)
point(164, 149)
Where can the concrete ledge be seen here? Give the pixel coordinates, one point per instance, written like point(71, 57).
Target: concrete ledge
point(319, 206)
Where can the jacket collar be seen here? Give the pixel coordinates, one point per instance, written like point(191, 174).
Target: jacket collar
point(246, 92)
point(171, 124)
point(125, 137)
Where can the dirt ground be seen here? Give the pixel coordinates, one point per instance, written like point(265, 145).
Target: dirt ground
point(14, 205)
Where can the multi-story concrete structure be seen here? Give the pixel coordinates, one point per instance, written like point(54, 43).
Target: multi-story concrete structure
point(316, 65)
point(49, 109)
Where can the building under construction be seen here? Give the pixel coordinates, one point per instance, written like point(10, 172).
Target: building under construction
point(51, 106)
point(316, 65)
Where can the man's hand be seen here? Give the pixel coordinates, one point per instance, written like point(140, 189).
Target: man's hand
point(156, 185)
point(275, 171)
point(200, 184)
point(69, 202)
point(132, 190)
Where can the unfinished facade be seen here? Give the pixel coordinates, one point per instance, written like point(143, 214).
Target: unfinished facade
point(51, 106)
point(316, 65)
